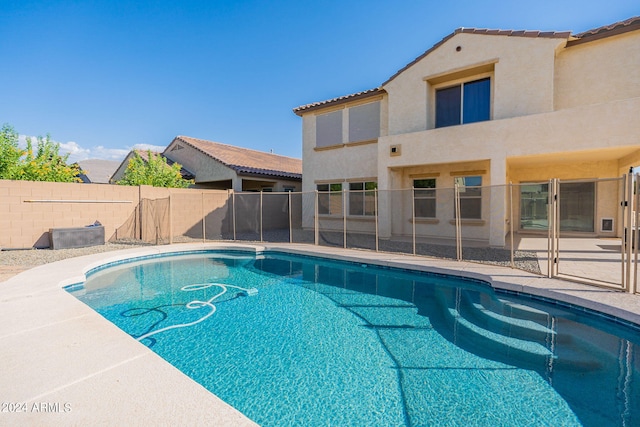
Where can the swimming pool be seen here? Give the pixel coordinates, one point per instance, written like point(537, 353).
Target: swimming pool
point(292, 340)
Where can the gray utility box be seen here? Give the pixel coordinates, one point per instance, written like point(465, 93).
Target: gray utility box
point(76, 237)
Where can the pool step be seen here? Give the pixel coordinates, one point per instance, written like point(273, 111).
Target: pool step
point(494, 343)
point(502, 323)
point(488, 341)
point(535, 346)
point(512, 309)
point(576, 358)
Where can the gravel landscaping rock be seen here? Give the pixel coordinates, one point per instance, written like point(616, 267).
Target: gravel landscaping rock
point(13, 262)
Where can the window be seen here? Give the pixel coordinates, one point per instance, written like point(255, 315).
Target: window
point(464, 103)
point(329, 129)
point(330, 199)
point(364, 122)
point(469, 188)
point(424, 200)
point(287, 189)
point(362, 198)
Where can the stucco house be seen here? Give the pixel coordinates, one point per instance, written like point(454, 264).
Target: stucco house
point(485, 108)
point(221, 166)
point(144, 154)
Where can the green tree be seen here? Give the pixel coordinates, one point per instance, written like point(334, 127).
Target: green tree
point(155, 171)
point(10, 152)
point(47, 164)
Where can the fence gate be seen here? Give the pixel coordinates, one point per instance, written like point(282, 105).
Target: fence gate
point(589, 221)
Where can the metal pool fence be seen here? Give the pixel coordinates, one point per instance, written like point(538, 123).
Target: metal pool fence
point(576, 230)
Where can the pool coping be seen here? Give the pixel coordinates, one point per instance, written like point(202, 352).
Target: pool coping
point(67, 365)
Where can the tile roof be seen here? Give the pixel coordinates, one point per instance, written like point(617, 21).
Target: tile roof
point(342, 99)
point(616, 28)
point(605, 31)
point(98, 170)
point(247, 161)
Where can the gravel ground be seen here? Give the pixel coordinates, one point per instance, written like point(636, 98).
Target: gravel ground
point(13, 262)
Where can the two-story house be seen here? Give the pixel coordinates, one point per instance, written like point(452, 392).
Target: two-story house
point(482, 109)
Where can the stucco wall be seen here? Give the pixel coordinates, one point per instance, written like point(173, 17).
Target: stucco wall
point(441, 225)
point(598, 71)
point(590, 128)
point(522, 78)
point(336, 164)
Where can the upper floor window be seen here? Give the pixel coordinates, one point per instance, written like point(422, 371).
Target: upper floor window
point(463, 103)
point(362, 198)
point(364, 122)
point(329, 129)
point(361, 124)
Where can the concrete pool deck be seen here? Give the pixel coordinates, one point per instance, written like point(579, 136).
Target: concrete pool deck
point(64, 364)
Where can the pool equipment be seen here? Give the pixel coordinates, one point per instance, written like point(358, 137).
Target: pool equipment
point(195, 304)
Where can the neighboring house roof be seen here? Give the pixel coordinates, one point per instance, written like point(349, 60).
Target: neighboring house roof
point(620, 27)
point(97, 170)
point(246, 161)
point(144, 154)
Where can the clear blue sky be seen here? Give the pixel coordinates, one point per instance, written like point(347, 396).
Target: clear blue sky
point(105, 76)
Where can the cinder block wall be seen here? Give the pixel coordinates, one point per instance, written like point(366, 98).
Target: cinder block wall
point(188, 206)
point(29, 209)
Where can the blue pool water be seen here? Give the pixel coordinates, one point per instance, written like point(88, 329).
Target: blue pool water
point(302, 341)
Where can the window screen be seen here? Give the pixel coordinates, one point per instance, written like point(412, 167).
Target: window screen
point(424, 197)
point(470, 190)
point(362, 198)
point(329, 199)
point(364, 122)
point(329, 129)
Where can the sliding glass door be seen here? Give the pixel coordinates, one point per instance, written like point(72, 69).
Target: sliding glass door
point(577, 206)
point(534, 199)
